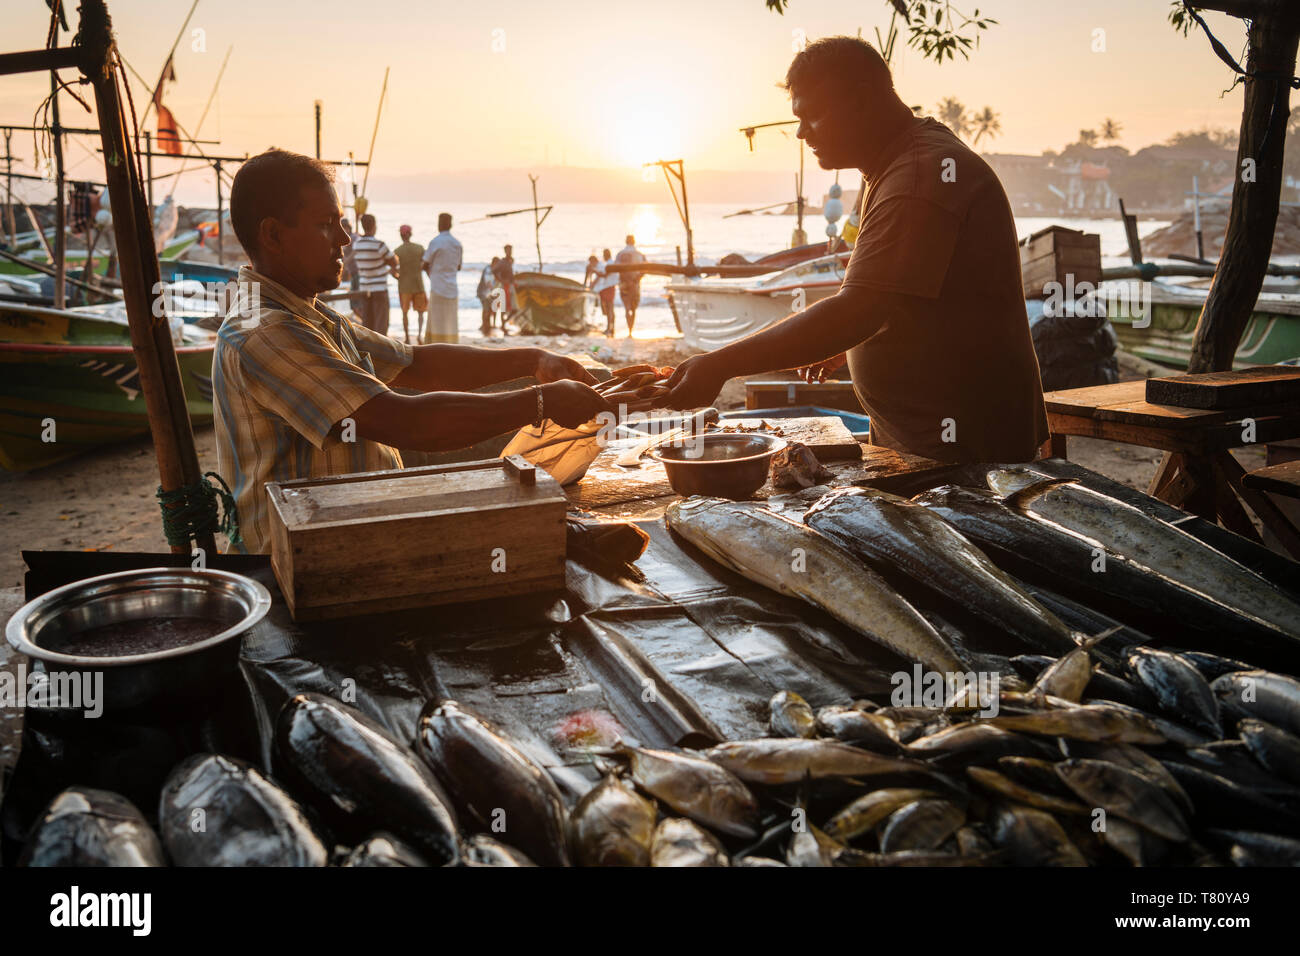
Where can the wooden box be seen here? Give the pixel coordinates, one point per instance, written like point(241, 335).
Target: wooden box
point(1056, 254)
point(388, 540)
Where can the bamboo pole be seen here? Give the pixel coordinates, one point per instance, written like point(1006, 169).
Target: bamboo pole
point(60, 262)
point(151, 340)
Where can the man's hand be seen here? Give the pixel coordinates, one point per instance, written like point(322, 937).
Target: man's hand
point(571, 403)
point(556, 368)
point(695, 383)
point(820, 371)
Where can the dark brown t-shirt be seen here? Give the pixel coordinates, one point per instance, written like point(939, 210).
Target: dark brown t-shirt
point(951, 373)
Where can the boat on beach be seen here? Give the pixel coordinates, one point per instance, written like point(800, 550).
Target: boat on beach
point(1272, 332)
point(550, 304)
point(711, 313)
point(77, 370)
point(76, 258)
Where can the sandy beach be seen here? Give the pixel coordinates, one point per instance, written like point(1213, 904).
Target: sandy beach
point(104, 500)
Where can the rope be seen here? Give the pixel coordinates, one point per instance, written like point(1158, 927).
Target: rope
point(192, 510)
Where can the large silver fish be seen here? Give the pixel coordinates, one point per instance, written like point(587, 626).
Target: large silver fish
point(1122, 529)
point(612, 825)
point(697, 788)
point(791, 759)
point(789, 558)
point(890, 532)
point(792, 559)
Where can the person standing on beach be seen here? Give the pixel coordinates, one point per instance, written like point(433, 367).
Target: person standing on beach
point(356, 302)
point(375, 263)
point(486, 283)
point(298, 391)
point(505, 273)
point(629, 283)
point(604, 288)
point(443, 260)
point(930, 317)
point(410, 283)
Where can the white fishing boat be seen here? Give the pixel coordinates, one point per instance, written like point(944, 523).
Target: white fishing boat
point(711, 313)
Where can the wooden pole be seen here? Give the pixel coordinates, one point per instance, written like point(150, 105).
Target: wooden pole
point(221, 238)
point(60, 262)
point(537, 224)
point(148, 168)
point(9, 191)
point(1272, 40)
point(318, 106)
point(160, 378)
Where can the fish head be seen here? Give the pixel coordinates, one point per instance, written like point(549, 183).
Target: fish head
point(687, 508)
point(1007, 481)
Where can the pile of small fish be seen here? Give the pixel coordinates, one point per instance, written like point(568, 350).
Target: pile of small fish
point(1091, 749)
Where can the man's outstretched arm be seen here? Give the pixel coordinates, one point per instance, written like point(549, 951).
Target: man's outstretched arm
point(444, 367)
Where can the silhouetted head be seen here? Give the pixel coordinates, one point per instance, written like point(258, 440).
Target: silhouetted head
point(631, 240)
point(287, 217)
point(607, 254)
point(444, 221)
point(842, 93)
point(404, 232)
point(368, 224)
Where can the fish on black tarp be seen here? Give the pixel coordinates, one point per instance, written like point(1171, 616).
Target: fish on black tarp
point(1178, 687)
point(1275, 749)
point(679, 842)
point(247, 819)
point(481, 850)
point(1156, 545)
point(83, 826)
point(1033, 838)
point(1271, 697)
point(791, 716)
point(346, 763)
point(612, 825)
point(695, 787)
point(383, 850)
point(493, 782)
point(894, 534)
point(1061, 558)
point(792, 559)
point(775, 760)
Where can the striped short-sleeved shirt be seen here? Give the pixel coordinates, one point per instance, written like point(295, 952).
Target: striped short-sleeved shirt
point(371, 255)
point(285, 373)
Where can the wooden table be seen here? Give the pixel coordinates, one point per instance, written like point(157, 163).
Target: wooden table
point(1283, 479)
point(1198, 473)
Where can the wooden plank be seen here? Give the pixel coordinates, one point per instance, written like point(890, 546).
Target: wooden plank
point(1249, 387)
point(828, 437)
point(1163, 439)
point(777, 394)
point(1283, 479)
point(1269, 514)
point(1086, 401)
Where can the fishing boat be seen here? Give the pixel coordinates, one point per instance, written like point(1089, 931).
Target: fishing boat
point(1272, 332)
point(711, 313)
point(76, 258)
point(550, 304)
point(69, 382)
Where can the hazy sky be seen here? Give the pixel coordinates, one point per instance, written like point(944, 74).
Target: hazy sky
point(515, 83)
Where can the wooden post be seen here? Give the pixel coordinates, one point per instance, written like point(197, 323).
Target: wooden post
point(318, 106)
point(160, 378)
point(1273, 36)
point(221, 238)
point(60, 262)
point(9, 191)
point(148, 169)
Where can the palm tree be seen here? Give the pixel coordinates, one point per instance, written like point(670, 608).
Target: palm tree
point(1088, 137)
point(985, 123)
point(1110, 130)
point(952, 114)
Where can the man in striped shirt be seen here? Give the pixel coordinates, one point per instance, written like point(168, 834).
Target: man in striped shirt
point(375, 262)
point(299, 391)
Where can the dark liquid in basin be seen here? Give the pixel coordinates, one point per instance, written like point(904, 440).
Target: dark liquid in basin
point(143, 636)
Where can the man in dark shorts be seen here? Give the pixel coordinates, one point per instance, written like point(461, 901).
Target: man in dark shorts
point(931, 316)
point(629, 283)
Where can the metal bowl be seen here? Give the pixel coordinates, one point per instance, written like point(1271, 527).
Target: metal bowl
point(230, 603)
point(721, 464)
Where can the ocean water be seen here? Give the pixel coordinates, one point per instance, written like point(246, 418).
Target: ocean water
point(574, 231)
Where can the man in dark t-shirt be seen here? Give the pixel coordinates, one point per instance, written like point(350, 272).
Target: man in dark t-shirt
point(931, 314)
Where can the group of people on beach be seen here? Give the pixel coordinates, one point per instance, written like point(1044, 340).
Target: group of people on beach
point(603, 282)
point(368, 263)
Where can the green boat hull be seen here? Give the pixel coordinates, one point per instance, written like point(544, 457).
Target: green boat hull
point(69, 383)
point(76, 259)
point(1272, 332)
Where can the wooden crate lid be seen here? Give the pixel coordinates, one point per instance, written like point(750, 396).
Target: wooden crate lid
point(463, 487)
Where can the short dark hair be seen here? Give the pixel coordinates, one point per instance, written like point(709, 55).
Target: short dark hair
point(270, 184)
point(368, 222)
point(444, 221)
point(842, 60)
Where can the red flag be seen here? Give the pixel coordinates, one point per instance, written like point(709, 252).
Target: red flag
point(168, 141)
